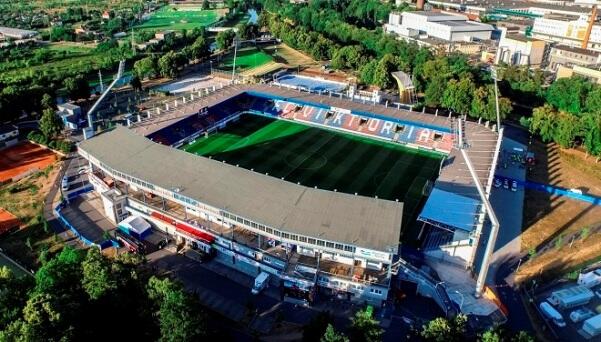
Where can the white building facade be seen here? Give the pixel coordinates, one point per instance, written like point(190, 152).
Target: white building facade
point(429, 24)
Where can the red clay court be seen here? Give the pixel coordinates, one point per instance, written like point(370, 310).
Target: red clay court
point(25, 157)
point(8, 222)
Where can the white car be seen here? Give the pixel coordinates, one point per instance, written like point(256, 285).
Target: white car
point(82, 170)
point(497, 183)
point(65, 183)
point(514, 186)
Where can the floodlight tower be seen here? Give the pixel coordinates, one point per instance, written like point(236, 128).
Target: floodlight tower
point(235, 53)
point(495, 77)
point(494, 230)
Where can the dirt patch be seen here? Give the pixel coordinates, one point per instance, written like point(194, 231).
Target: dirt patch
point(25, 199)
point(561, 233)
point(19, 160)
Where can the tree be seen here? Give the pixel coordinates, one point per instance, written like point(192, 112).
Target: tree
point(331, 335)
point(13, 295)
point(364, 327)
point(567, 128)
point(47, 101)
point(458, 95)
point(440, 329)
point(544, 120)
point(367, 72)
point(168, 64)
point(225, 39)
point(51, 124)
point(490, 336)
point(179, 317)
point(593, 100)
point(77, 87)
point(382, 74)
point(135, 83)
point(569, 94)
point(97, 280)
point(206, 5)
point(146, 67)
point(591, 129)
point(435, 89)
point(200, 48)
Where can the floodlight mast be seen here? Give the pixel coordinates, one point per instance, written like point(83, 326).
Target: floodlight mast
point(495, 77)
point(494, 231)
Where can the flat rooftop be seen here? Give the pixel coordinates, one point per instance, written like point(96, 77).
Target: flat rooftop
point(356, 220)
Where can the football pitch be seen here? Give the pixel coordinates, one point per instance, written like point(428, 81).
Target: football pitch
point(247, 59)
point(318, 157)
point(179, 18)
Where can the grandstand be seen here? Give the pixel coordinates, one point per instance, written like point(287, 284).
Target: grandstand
point(310, 83)
point(285, 224)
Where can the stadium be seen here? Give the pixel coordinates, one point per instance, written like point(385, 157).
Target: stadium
point(313, 188)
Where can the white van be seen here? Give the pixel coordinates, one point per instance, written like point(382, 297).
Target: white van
point(550, 313)
point(261, 282)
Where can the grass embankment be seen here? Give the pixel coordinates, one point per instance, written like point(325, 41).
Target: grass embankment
point(25, 199)
point(561, 234)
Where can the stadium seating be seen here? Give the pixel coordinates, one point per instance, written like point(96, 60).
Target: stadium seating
point(387, 129)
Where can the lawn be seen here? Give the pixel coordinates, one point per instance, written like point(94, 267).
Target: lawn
point(323, 158)
point(180, 18)
point(246, 59)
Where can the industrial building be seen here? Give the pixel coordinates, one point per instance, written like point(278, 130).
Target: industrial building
point(438, 25)
point(515, 49)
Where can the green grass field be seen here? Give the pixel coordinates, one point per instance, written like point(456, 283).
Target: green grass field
point(323, 158)
point(179, 18)
point(246, 59)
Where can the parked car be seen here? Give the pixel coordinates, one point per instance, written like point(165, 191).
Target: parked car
point(65, 183)
point(82, 170)
point(580, 315)
point(505, 184)
point(497, 183)
point(514, 186)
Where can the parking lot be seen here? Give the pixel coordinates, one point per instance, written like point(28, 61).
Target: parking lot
point(86, 214)
point(572, 331)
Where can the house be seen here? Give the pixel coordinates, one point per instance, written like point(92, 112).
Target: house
point(568, 56)
point(71, 115)
point(107, 15)
point(162, 35)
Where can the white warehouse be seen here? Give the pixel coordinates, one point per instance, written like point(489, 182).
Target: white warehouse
point(448, 27)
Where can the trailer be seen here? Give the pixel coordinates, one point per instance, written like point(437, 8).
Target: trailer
point(550, 313)
point(592, 326)
point(571, 297)
point(590, 279)
point(260, 282)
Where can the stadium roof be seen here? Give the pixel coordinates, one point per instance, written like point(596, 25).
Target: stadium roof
point(454, 178)
point(356, 220)
point(175, 114)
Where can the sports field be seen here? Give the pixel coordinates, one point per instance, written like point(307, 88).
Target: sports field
point(246, 59)
point(180, 18)
point(323, 158)
point(22, 159)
